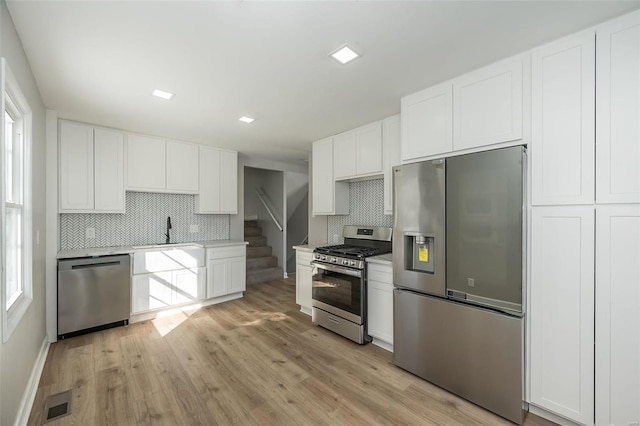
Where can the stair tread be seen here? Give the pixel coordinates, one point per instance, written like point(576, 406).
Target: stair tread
point(264, 270)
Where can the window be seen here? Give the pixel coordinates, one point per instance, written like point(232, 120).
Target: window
point(16, 203)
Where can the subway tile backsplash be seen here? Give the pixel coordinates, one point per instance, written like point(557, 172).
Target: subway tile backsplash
point(143, 223)
point(366, 207)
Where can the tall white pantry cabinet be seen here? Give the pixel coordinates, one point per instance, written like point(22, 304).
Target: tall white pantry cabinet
point(584, 307)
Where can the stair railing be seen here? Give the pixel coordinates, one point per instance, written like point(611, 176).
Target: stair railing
point(303, 242)
point(263, 199)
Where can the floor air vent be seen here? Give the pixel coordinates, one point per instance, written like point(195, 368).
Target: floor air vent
point(57, 406)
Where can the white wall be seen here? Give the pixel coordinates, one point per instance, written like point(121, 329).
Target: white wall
point(19, 354)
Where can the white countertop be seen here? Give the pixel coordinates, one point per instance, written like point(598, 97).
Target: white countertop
point(104, 251)
point(306, 247)
point(384, 259)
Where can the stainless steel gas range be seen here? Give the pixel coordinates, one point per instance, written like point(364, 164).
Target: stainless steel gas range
point(339, 292)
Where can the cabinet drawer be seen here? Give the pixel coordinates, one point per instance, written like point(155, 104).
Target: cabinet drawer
point(226, 252)
point(167, 260)
point(380, 273)
point(303, 258)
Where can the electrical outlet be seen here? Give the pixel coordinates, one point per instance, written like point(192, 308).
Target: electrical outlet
point(336, 238)
point(90, 233)
point(37, 237)
point(194, 228)
point(471, 282)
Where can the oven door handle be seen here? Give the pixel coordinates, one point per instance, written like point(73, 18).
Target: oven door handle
point(337, 269)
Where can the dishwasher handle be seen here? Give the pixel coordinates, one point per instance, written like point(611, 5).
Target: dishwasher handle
point(94, 262)
point(95, 265)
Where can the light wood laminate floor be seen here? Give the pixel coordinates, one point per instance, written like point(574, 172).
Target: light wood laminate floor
point(255, 360)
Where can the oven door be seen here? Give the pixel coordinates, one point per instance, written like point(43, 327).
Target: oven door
point(339, 291)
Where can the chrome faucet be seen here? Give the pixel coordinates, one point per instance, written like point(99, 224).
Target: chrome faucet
point(168, 227)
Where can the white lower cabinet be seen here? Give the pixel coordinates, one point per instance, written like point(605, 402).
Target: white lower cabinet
point(304, 277)
point(159, 290)
point(618, 315)
point(380, 302)
point(561, 311)
point(226, 271)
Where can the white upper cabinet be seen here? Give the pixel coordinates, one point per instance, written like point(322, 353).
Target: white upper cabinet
point(218, 182)
point(487, 105)
point(345, 155)
point(229, 182)
point(182, 167)
point(146, 163)
point(358, 153)
point(618, 111)
point(563, 105)
point(76, 167)
point(369, 150)
point(561, 311)
point(91, 169)
point(427, 122)
point(109, 171)
point(618, 315)
point(328, 196)
point(391, 158)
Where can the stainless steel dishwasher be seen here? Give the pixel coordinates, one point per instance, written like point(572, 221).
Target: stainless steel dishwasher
point(93, 294)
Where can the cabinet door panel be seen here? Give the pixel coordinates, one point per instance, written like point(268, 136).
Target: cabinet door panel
point(146, 163)
point(182, 167)
point(322, 176)
point(228, 182)
point(369, 149)
point(344, 155)
point(618, 111)
point(562, 311)
point(151, 291)
point(303, 287)
point(237, 274)
point(188, 285)
point(563, 96)
point(488, 105)
point(427, 122)
point(217, 277)
point(391, 158)
point(380, 310)
point(618, 315)
point(109, 171)
point(208, 199)
point(76, 167)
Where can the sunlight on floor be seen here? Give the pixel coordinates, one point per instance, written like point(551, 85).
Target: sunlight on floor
point(167, 321)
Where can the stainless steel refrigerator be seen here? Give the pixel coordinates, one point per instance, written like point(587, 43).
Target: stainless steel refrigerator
point(458, 275)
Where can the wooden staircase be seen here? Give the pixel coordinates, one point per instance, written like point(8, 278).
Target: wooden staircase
point(261, 265)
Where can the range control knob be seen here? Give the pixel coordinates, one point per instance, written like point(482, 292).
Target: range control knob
point(323, 258)
point(352, 263)
point(345, 262)
point(333, 260)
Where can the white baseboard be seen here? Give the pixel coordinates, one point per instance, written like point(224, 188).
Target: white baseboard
point(551, 416)
point(382, 344)
point(32, 385)
point(174, 310)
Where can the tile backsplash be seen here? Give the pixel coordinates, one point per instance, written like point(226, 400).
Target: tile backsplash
point(144, 222)
point(366, 207)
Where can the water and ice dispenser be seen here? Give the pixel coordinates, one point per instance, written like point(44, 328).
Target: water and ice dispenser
point(419, 252)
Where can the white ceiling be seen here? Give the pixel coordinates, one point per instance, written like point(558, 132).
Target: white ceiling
point(98, 62)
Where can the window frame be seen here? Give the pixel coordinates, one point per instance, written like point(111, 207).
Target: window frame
point(11, 95)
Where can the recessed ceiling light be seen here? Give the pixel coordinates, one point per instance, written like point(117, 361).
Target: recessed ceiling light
point(162, 94)
point(246, 119)
point(344, 54)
